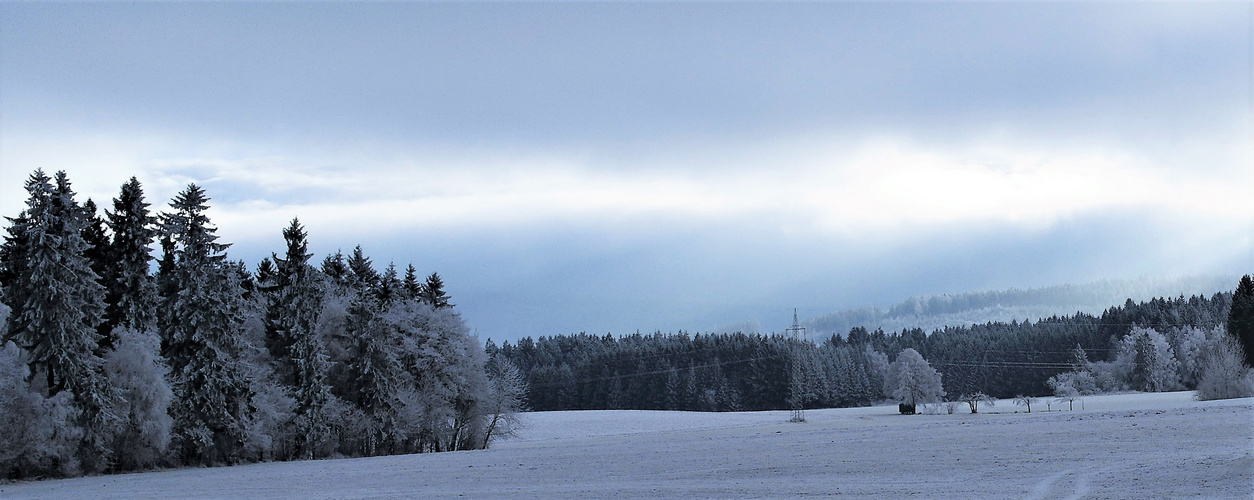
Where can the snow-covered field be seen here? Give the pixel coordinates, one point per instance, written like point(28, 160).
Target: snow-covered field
point(1122, 446)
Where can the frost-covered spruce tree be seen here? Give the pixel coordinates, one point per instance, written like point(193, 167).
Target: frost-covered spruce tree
point(97, 254)
point(911, 380)
point(132, 295)
point(199, 321)
point(1154, 366)
point(62, 306)
point(506, 397)
point(375, 377)
point(336, 270)
point(292, 316)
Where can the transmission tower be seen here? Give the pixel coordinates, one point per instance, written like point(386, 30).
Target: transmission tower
point(796, 330)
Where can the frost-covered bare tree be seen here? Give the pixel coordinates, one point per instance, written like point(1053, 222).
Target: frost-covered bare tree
point(1224, 372)
point(38, 435)
point(974, 400)
point(136, 369)
point(1070, 386)
point(506, 398)
point(912, 381)
point(1022, 400)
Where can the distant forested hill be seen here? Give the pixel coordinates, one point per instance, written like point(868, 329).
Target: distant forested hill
point(1120, 348)
point(932, 312)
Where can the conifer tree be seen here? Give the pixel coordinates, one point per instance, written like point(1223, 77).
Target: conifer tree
point(363, 274)
point(335, 269)
point(12, 262)
point(292, 316)
point(198, 325)
point(433, 293)
point(131, 293)
point(62, 306)
point(411, 286)
point(97, 251)
point(267, 274)
point(375, 374)
point(1241, 317)
point(390, 288)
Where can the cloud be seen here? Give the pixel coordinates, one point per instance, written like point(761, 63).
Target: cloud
point(876, 187)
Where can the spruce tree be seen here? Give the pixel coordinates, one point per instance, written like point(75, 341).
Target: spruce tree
point(266, 274)
point(336, 270)
point(390, 288)
point(375, 374)
point(132, 295)
point(62, 306)
point(12, 263)
point(433, 293)
point(199, 322)
point(363, 274)
point(93, 233)
point(411, 286)
point(1241, 317)
point(292, 315)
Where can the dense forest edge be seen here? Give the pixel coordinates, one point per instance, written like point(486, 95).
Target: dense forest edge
point(1164, 344)
point(107, 366)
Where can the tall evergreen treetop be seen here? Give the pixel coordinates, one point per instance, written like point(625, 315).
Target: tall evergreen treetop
point(191, 230)
point(15, 251)
point(295, 263)
point(97, 240)
point(267, 274)
point(390, 288)
point(334, 267)
point(433, 292)
point(364, 275)
point(1241, 317)
point(411, 286)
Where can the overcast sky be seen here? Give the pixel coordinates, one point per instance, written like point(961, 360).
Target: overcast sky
point(613, 167)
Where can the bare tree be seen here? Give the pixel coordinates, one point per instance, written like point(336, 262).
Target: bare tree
point(974, 400)
point(506, 398)
point(1027, 401)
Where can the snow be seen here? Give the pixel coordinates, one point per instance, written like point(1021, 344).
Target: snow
point(1162, 445)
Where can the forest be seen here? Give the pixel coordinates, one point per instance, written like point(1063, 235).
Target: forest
point(1163, 344)
point(107, 366)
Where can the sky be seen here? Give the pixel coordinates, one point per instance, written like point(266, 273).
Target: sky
point(618, 166)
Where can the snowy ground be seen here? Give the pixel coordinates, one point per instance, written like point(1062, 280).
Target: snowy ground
point(1121, 446)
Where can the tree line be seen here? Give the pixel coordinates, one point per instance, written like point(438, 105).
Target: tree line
point(1157, 345)
point(107, 366)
